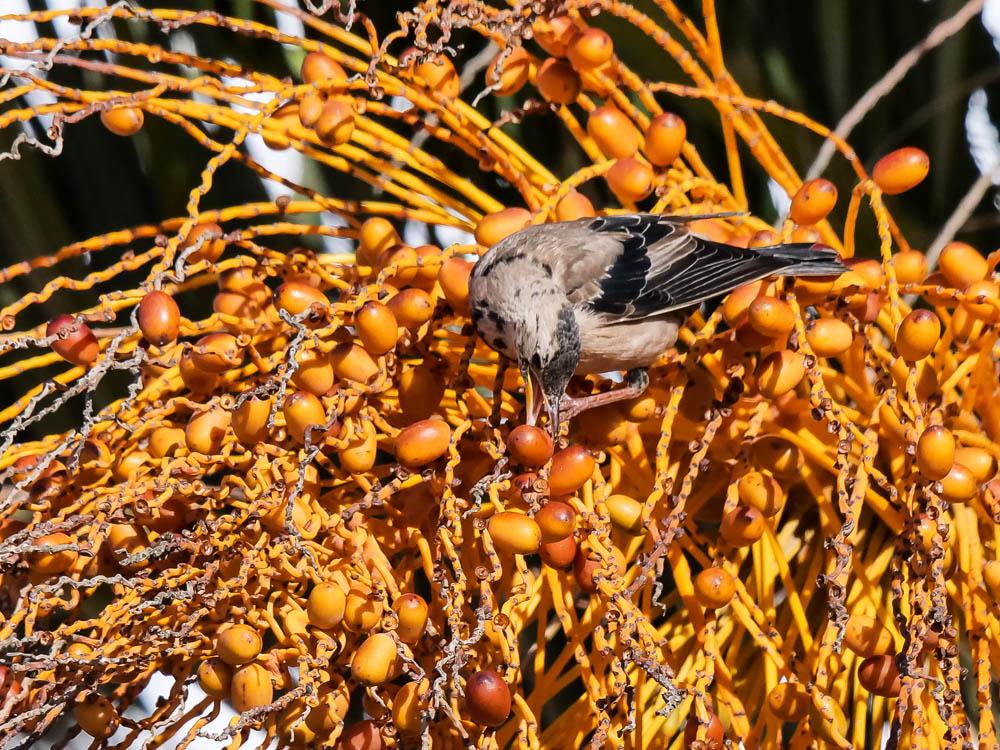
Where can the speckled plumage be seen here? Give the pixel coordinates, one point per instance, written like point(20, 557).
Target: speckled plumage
point(610, 293)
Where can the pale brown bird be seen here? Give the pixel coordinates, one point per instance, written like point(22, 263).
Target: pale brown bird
point(608, 294)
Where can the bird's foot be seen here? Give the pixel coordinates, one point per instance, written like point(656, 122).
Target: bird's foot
point(636, 382)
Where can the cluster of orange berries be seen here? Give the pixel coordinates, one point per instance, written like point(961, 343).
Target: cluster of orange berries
point(373, 530)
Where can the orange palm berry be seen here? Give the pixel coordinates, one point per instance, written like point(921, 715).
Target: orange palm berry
point(46, 564)
point(130, 464)
point(361, 735)
point(761, 491)
point(763, 238)
point(715, 734)
point(165, 441)
point(375, 236)
point(736, 306)
point(359, 455)
point(295, 297)
point(422, 443)
point(377, 328)
point(664, 139)
point(317, 66)
point(962, 264)
point(206, 430)
point(440, 75)
point(879, 675)
point(910, 266)
point(829, 337)
point(789, 701)
point(453, 277)
point(959, 485)
point(771, 317)
point(159, 318)
point(742, 526)
point(251, 687)
point(411, 611)
point(487, 698)
point(512, 73)
point(556, 520)
point(326, 605)
point(991, 577)
point(714, 588)
point(376, 660)
point(352, 362)
point(559, 554)
point(585, 568)
point(613, 132)
point(75, 342)
point(865, 636)
point(813, 201)
point(642, 408)
point(574, 206)
point(515, 533)
point(420, 392)
point(979, 462)
point(407, 707)
point(590, 49)
point(314, 372)
point(557, 81)
point(917, 335)
point(302, 411)
point(555, 34)
point(215, 677)
point(235, 303)
point(901, 170)
point(208, 237)
point(282, 119)
point(804, 234)
point(238, 644)
point(625, 513)
point(986, 294)
point(571, 468)
point(494, 227)
point(123, 121)
point(412, 307)
point(630, 180)
point(249, 420)
point(217, 352)
point(936, 452)
point(311, 108)
point(96, 715)
point(777, 455)
point(336, 122)
point(362, 611)
point(780, 372)
point(529, 446)
point(334, 703)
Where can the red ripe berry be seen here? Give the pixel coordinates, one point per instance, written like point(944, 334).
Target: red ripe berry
point(79, 346)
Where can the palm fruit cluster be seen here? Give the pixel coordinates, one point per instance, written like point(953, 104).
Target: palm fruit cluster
point(315, 505)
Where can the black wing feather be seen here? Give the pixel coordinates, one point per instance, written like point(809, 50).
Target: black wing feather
point(688, 269)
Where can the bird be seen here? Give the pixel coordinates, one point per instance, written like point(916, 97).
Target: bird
point(605, 294)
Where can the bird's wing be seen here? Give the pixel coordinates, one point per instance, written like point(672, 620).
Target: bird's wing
point(661, 267)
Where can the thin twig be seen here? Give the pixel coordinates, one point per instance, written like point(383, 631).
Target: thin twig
point(891, 79)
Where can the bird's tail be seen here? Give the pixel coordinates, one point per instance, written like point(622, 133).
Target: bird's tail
point(806, 259)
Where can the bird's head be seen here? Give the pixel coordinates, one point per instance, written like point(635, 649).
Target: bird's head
point(548, 349)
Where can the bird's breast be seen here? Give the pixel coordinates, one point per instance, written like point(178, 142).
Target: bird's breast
point(608, 344)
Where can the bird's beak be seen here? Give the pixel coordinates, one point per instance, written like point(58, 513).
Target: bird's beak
point(533, 394)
